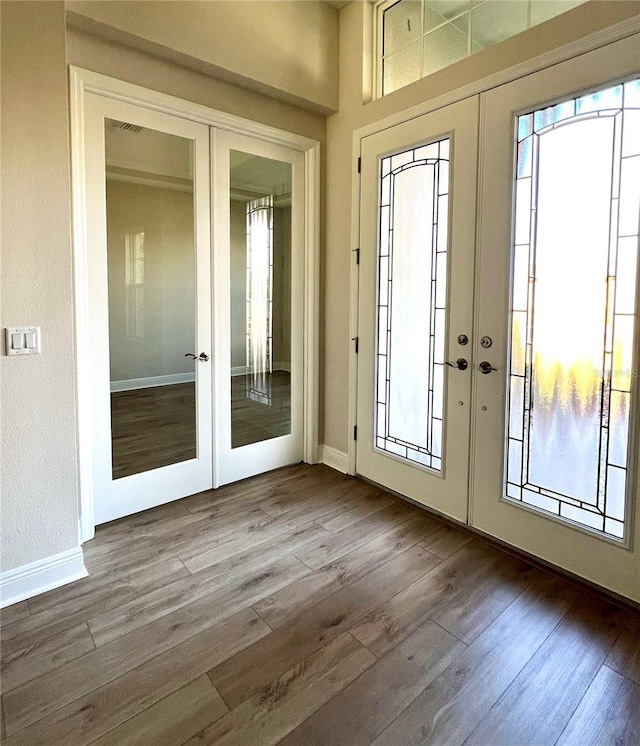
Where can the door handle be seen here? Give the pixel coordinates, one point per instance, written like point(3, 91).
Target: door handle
point(486, 367)
point(202, 357)
point(460, 364)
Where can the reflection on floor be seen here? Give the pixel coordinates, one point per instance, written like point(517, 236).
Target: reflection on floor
point(251, 421)
point(155, 427)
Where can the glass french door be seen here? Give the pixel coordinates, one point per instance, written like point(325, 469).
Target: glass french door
point(417, 233)
point(555, 439)
point(149, 299)
point(258, 306)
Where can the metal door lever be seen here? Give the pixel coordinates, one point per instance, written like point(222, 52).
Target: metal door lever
point(460, 364)
point(202, 357)
point(486, 367)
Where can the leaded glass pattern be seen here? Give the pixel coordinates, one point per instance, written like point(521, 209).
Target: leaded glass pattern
point(411, 304)
point(573, 306)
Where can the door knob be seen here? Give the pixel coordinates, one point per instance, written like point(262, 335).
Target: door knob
point(486, 367)
point(202, 357)
point(460, 364)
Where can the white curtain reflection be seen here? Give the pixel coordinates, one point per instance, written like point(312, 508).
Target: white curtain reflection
point(259, 298)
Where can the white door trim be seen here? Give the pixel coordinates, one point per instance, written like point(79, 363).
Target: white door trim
point(85, 81)
point(565, 52)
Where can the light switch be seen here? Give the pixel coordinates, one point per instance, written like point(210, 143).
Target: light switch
point(22, 340)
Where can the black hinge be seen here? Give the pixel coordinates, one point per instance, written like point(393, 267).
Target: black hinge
point(355, 432)
point(357, 256)
point(359, 165)
point(357, 341)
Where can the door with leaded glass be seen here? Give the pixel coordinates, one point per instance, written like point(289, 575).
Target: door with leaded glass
point(555, 439)
point(417, 232)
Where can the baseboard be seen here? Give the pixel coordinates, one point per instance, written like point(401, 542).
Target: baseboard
point(41, 576)
point(151, 381)
point(335, 459)
point(243, 370)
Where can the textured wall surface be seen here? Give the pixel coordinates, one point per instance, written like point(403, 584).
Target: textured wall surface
point(38, 431)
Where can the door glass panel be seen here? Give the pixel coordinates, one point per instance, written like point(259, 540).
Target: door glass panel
point(573, 301)
point(151, 273)
point(411, 307)
point(260, 210)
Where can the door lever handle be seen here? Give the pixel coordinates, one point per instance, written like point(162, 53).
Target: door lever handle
point(202, 357)
point(486, 367)
point(460, 364)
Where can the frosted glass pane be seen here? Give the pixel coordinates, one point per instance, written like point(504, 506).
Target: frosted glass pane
point(411, 299)
point(626, 275)
point(446, 45)
point(629, 197)
point(494, 21)
point(632, 94)
point(448, 9)
point(572, 343)
point(542, 10)
point(410, 378)
point(402, 25)
point(524, 157)
point(631, 134)
point(402, 68)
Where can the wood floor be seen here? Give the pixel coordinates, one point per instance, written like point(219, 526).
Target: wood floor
point(306, 607)
point(156, 426)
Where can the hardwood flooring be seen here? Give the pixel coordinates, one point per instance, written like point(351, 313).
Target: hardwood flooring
point(156, 426)
point(306, 607)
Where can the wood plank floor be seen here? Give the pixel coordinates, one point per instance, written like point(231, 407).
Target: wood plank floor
point(307, 607)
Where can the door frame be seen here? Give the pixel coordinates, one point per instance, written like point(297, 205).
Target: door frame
point(84, 81)
point(535, 64)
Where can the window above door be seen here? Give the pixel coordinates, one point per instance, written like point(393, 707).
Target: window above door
point(415, 38)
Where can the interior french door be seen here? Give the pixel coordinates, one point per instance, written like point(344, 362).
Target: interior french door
point(543, 423)
point(149, 276)
point(258, 306)
point(415, 306)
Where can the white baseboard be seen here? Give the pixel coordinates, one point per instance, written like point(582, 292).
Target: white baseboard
point(335, 459)
point(243, 370)
point(41, 576)
point(147, 383)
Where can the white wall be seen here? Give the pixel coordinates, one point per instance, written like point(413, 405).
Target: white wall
point(39, 478)
point(353, 113)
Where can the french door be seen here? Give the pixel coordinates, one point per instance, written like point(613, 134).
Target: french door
point(149, 288)
point(195, 325)
point(546, 459)
point(415, 307)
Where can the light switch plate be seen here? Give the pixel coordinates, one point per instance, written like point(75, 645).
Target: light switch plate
point(22, 340)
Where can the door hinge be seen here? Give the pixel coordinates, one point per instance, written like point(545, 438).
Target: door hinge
point(359, 165)
point(357, 256)
point(355, 432)
point(357, 341)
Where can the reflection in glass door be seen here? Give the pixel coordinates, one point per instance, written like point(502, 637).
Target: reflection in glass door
point(152, 303)
point(258, 296)
point(260, 239)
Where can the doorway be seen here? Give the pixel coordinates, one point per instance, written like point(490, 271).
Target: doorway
point(196, 287)
point(530, 331)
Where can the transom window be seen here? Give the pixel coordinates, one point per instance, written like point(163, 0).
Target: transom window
point(418, 37)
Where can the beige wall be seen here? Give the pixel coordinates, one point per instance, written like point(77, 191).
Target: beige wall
point(38, 430)
point(166, 218)
point(286, 48)
point(355, 40)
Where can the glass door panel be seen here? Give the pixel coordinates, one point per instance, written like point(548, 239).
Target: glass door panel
point(573, 300)
point(415, 307)
point(149, 306)
point(258, 306)
point(260, 268)
point(152, 305)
